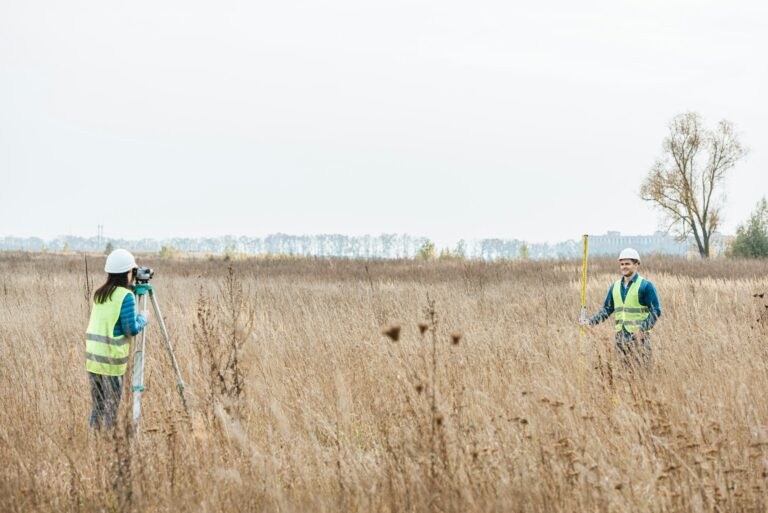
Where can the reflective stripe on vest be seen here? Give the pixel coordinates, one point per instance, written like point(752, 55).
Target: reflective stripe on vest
point(105, 353)
point(629, 313)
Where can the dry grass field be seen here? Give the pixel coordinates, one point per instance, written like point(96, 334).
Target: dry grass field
point(299, 402)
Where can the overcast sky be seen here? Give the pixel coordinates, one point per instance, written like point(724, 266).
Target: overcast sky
point(530, 120)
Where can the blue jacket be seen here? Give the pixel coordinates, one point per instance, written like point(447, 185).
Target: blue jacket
point(647, 296)
point(129, 323)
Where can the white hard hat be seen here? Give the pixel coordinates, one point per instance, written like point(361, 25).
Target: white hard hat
point(629, 253)
point(119, 261)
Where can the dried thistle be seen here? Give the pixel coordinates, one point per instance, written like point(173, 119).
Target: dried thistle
point(393, 333)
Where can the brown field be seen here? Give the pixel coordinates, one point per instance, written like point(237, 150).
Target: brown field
point(300, 403)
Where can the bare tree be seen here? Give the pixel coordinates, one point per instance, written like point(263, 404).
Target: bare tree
point(686, 182)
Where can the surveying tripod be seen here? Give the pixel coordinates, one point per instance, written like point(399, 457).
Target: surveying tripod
point(142, 290)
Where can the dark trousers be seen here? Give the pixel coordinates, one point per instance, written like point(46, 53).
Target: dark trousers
point(105, 393)
point(634, 353)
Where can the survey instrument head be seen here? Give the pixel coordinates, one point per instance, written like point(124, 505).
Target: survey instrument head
point(143, 274)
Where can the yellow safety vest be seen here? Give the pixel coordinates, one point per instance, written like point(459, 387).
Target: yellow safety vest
point(105, 353)
point(629, 313)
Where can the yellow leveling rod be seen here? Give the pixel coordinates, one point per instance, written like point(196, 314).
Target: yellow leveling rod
point(583, 312)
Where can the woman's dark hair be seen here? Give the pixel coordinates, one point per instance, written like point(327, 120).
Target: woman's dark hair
point(114, 280)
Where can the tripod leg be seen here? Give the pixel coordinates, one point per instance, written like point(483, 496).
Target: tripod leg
point(137, 378)
point(179, 380)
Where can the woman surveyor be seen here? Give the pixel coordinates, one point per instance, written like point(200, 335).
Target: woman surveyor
point(107, 340)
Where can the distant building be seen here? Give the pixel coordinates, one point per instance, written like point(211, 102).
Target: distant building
point(719, 244)
point(659, 243)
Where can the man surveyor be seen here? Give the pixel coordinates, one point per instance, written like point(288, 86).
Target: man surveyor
point(635, 303)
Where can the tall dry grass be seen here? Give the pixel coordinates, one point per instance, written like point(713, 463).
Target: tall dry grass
point(300, 402)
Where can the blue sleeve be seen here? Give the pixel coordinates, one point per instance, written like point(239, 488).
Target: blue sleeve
point(605, 311)
point(648, 297)
point(131, 323)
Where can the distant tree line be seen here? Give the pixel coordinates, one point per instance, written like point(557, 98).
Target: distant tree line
point(385, 246)
point(326, 245)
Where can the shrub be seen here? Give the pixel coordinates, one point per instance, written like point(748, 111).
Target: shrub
point(752, 236)
point(426, 251)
